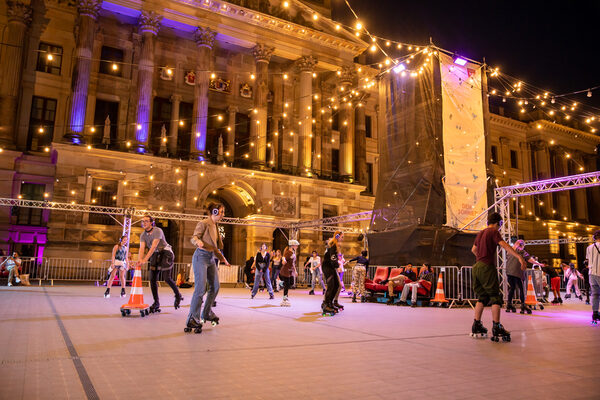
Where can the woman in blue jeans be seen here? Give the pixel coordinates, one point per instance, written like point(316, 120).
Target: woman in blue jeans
point(209, 244)
point(261, 264)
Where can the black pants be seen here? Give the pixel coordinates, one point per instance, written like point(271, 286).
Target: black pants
point(287, 283)
point(162, 259)
point(274, 275)
point(515, 282)
point(332, 283)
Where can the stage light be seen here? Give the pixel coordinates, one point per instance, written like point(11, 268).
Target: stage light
point(460, 61)
point(589, 93)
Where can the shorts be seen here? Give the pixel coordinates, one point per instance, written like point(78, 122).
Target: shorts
point(555, 284)
point(485, 284)
point(120, 264)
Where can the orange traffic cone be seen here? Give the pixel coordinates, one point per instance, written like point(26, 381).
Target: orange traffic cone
point(440, 297)
point(136, 296)
point(530, 300)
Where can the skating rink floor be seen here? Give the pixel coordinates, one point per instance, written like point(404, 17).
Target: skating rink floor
point(69, 342)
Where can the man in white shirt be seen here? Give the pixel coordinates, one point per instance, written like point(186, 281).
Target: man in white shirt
point(592, 255)
point(315, 269)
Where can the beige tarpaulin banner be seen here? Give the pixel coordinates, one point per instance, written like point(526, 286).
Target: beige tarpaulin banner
point(465, 179)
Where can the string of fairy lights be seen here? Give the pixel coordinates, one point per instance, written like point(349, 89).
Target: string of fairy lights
point(404, 59)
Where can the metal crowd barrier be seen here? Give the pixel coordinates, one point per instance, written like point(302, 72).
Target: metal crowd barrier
point(451, 276)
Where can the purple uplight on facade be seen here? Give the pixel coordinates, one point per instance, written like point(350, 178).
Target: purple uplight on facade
point(399, 68)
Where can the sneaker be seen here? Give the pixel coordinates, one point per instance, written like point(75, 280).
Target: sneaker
point(390, 301)
point(9, 284)
point(312, 293)
point(19, 281)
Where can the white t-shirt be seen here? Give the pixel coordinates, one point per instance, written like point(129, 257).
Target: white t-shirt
point(592, 254)
point(314, 262)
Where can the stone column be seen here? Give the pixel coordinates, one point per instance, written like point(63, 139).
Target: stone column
point(360, 143)
point(19, 18)
point(174, 127)
point(305, 67)
point(149, 24)
point(205, 39)
point(231, 111)
point(276, 121)
point(258, 125)
point(88, 13)
point(346, 122)
point(580, 211)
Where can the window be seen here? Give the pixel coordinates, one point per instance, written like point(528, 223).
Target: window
point(184, 130)
point(328, 212)
point(369, 183)
point(112, 61)
point(494, 155)
point(103, 110)
point(49, 58)
point(368, 126)
point(335, 124)
point(335, 162)
point(161, 114)
point(104, 193)
point(41, 123)
point(30, 216)
point(514, 161)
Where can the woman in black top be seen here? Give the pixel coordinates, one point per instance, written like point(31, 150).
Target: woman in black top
point(261, 263)
point(330, 266)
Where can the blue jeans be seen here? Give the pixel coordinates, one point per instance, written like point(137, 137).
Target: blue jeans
point(317, 274)
point(258, 274)
point(205, 270)
point(595, 286)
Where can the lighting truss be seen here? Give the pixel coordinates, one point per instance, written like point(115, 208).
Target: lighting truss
point(550, 185)
point(341, 219)
point(578, 239)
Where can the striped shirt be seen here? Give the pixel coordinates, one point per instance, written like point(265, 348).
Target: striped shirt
point(592, 254)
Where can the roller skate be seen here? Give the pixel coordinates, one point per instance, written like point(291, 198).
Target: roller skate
point(122, 292)
point(525, 309)
point(595, 318)
point(193, 325)
point(271, 296)
point(285, 302)
point(328, 310)
point(311, 293)
point(155, 307)
point(555, 301)
point(511, 308)
point(106, 293)
point(338, 306)
point(568, 296)
point(560, 300)
point(363, 299)
point(354, 298)
point(580, 297)
point(478, 330)
point(498, 332)
point(213, 319)
point(251, 297)
point(178, 300)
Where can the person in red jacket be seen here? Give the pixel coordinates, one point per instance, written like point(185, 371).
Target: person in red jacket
point(288, 269)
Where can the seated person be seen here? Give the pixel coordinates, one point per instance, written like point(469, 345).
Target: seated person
point(399, 280)
point(409, 273)
point(425, 275)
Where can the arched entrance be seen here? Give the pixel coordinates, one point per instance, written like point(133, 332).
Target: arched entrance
point(280, 240)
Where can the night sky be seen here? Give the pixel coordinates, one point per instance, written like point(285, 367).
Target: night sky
point(554, 47)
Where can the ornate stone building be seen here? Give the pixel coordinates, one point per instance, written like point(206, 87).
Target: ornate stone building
point(167, 105)
point(171, 104)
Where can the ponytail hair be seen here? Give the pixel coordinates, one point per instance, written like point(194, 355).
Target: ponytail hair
point(120, 240)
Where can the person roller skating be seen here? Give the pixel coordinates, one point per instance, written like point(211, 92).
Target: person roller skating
point(160, 260)
point(485, 275)
point(288, 269)
point(592, 256)
point(118, 264)
point(571, 277)
point(208, 244)
point(330, 266)
point(261, 265)
point(515, 273)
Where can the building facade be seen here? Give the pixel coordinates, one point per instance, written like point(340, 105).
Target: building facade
point(168, 105)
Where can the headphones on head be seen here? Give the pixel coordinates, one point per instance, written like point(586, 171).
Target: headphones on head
point(151, 219)
point(337, 236)
point(215, 210)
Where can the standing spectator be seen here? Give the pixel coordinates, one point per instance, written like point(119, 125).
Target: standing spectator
point(359, 272)
point(13, 263)
point(516, 276)
point(485, 276)
point(160, 259)
point(276, 267)
point(425, 275)
point(585, 271)
point(571, 276)
point(261, 265)
point(592, 255)
point(287, 269)
point(118, 263)
point(248, 272)
point(314, 263)
point(554, 281)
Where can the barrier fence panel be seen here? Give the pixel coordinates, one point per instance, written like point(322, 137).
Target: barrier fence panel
point(35, 267)
point(75, 269)
point(466, 282)
point(229, 273)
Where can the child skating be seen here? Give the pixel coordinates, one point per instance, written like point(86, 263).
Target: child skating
point(118, 263)
point(485, 278)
